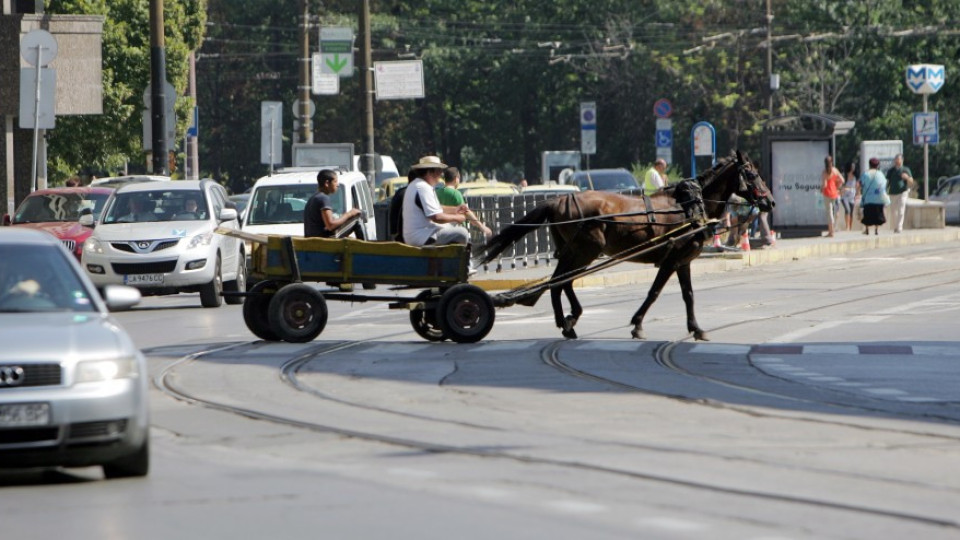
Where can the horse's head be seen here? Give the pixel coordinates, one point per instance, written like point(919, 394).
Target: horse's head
point(689, 196)
point(752, 187)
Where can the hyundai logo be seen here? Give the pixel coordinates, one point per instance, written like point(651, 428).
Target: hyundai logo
point(143, 245)
point(11, 375)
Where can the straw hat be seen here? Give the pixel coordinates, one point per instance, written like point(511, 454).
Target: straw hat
point(429, 162)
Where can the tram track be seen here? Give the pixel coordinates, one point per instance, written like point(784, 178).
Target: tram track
point(291, 369)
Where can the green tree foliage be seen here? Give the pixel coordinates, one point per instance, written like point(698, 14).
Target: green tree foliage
point(92, 143)
point(504, 79)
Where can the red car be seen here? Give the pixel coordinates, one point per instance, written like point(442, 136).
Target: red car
point(56, 210)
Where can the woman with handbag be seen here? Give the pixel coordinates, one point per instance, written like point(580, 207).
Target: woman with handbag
point(873, 197)
point(830, 183)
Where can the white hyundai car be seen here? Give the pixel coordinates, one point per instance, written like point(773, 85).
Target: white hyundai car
point(159, 237)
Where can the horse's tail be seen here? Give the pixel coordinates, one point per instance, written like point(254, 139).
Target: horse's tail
point(516, 231)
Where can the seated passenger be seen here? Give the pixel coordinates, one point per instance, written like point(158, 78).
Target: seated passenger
point(425, 221)
point(318, 217)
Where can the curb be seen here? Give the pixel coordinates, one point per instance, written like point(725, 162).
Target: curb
point(709, 263)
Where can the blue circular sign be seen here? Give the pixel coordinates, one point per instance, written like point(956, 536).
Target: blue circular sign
point(663, 108)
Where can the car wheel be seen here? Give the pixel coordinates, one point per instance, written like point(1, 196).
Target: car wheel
point(210, 293)
point(134, 465)
point(297, 313)
point(237, 285)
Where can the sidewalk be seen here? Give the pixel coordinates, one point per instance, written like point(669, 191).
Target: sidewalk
point(710, 261)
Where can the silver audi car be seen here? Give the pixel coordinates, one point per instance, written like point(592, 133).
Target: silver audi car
point(73, 386)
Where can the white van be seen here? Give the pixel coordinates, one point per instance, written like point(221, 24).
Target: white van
point(277, 202)
point(387, 169)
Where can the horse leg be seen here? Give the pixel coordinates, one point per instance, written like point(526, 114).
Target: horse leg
point(686, 288)
point(666, 270)
point(564, 266)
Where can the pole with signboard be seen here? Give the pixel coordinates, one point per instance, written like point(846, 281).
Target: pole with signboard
point(662, 110)
point(926, 79)
point(703, 142)
point(37, 89)
point(588, 129)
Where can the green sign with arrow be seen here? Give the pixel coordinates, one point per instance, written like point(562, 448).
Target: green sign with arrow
point(336, 50)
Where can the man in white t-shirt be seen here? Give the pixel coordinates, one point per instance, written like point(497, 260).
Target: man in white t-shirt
point(654, 179)
point(425, 221)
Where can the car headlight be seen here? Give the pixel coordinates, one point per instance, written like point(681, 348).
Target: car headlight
point(200, 240)
point(107, 370)
point(92, 245)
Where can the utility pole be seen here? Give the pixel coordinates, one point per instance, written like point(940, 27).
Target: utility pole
point(367, 166)
point(158, 79)
point(192, 160)
point(303, 90)
point(770, 81)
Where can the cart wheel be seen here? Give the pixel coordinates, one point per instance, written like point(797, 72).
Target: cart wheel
point(466, 313)
point(424, 321)
point(255, 310)
point(297, 313)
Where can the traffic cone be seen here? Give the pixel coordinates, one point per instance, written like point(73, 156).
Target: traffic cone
point(745, 242)
point(716, 242)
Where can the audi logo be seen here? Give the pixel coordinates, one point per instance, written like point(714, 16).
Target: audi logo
point(11, 375)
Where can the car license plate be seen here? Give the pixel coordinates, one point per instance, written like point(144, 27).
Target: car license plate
point(143, 279)
point(24, 414)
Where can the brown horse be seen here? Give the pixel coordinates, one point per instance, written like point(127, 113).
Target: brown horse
point(584, 225)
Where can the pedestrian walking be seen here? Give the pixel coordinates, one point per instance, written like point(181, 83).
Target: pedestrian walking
point(848, 194)
point(873, 197)
point(899, 183)
point(830, 182)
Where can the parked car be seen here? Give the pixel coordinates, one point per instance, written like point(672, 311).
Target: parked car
point(57, 211)
point(117, 181)
point(389, 187)
point(487, 188)
point(149, 238)
point(73, 387)
point(948, 192)
point(604, 180)
point(551, 188)
point(240, 200)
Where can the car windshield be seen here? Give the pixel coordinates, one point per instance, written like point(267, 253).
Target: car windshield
point(158, 205)
point(56, 207)
point(605, 180)
point(40, 278)
point(272, 205)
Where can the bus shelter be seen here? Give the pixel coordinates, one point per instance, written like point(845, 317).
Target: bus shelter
point(794, 148)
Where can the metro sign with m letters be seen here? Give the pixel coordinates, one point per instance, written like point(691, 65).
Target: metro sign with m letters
point(925, 78)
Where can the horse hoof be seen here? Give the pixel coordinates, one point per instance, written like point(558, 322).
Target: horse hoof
point(570, 334)
point(700, 335)
point(638, 333)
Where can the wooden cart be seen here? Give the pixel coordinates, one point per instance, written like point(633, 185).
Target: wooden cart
point(280, 306)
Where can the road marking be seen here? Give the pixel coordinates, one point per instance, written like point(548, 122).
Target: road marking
point(611, 346)
point(670, 524)
point(720, 348)
point(885, 391)
point(576, 507)
point(394, 348)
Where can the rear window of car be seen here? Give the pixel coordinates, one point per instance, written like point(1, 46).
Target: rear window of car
point(607, 180)
point(59, 207)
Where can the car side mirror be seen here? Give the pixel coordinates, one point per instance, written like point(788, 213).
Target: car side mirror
point(86, 218)
point(228, 214)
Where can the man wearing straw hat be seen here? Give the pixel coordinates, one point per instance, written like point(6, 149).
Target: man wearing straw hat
point(425, 221)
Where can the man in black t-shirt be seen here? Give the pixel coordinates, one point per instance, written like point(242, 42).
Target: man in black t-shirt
point(318, 218)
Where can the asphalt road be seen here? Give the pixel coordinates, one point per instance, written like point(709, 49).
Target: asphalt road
point(826, 405)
